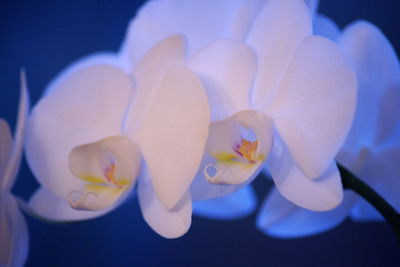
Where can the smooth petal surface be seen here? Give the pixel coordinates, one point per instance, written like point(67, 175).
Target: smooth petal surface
point(149, 74)
point(200, 21)
point(321, 194)
point(326, 27)
point(224, 168)
point(84, 106)
point(10, 171)
point(47, 206)
point(14, 241)
point(171, 223)
point(314, 108)
point(227, 69)
point(6, 143)
point(382, 172)
point(110, 168)
point(281, 218)
point(232, 206)
point(377, 69)
point(174, 145)
point(275, 36)
point(313, 6)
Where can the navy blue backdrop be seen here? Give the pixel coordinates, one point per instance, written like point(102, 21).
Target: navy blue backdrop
point(46, 36)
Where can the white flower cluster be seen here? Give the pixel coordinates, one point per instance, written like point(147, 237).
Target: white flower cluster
point(203, 96)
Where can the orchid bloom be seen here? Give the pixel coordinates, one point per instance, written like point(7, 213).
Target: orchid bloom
point(372, 149)
point(14, 239)
point(100, 127)
point(277, 93)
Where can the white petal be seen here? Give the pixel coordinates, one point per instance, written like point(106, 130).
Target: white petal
point(5, 147)
point(275, 35)
point(381, 171)
point(110, 168)
point(171, 223)
point(315, 105)
point(232, 206)
point(281, 218)
point(14, 160)
point(227, 69)
point(377, 69)
point(321, 194)
point(312, 5)
point(174, 134)
point(326, 27)
point(14, 241)
point(149, 74)
point(200, 21)
point(231, 170)
point(47, 206)
point(85, 106)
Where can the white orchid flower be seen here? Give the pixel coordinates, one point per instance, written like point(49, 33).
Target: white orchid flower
point(14, 239)
point(98, 127)
point(372, 149)
point(277, 93)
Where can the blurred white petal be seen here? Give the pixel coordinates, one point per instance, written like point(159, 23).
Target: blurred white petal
point(281, 218)
point(232, 206)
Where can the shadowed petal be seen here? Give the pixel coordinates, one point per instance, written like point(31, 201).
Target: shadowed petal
point(281, 218)
point(326, 27)
point(14, 241)
point(232, 206)
point(5, 147)
point(378, 70)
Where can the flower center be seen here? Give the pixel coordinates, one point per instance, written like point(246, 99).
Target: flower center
point(247, 150)
point(109, 173)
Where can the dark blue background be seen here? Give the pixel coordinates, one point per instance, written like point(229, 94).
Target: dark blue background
point(46, 36)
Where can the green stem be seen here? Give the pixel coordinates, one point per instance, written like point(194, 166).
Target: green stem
point(350, 181)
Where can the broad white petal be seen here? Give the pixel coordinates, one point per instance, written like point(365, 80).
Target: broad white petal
point(14, 241)
point(326, 27)
point(232, 206)
point(314, 108)
point(377, 69)
point(381, 171)
point(224, 169)
point(11, 170)
point(200, 21)
point(6, 143)
point(174, 134)
point(321, 194)
point(227, 69)
point(46, 206)
point(171, 223)
point(275, 36)
point(149, 74)
point(281, 218)
point(85, 106)
point(110, 168)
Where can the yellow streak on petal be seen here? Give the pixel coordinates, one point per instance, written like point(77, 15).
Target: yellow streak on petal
point(99, 189)
point(224, 156)
point(92, 179)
